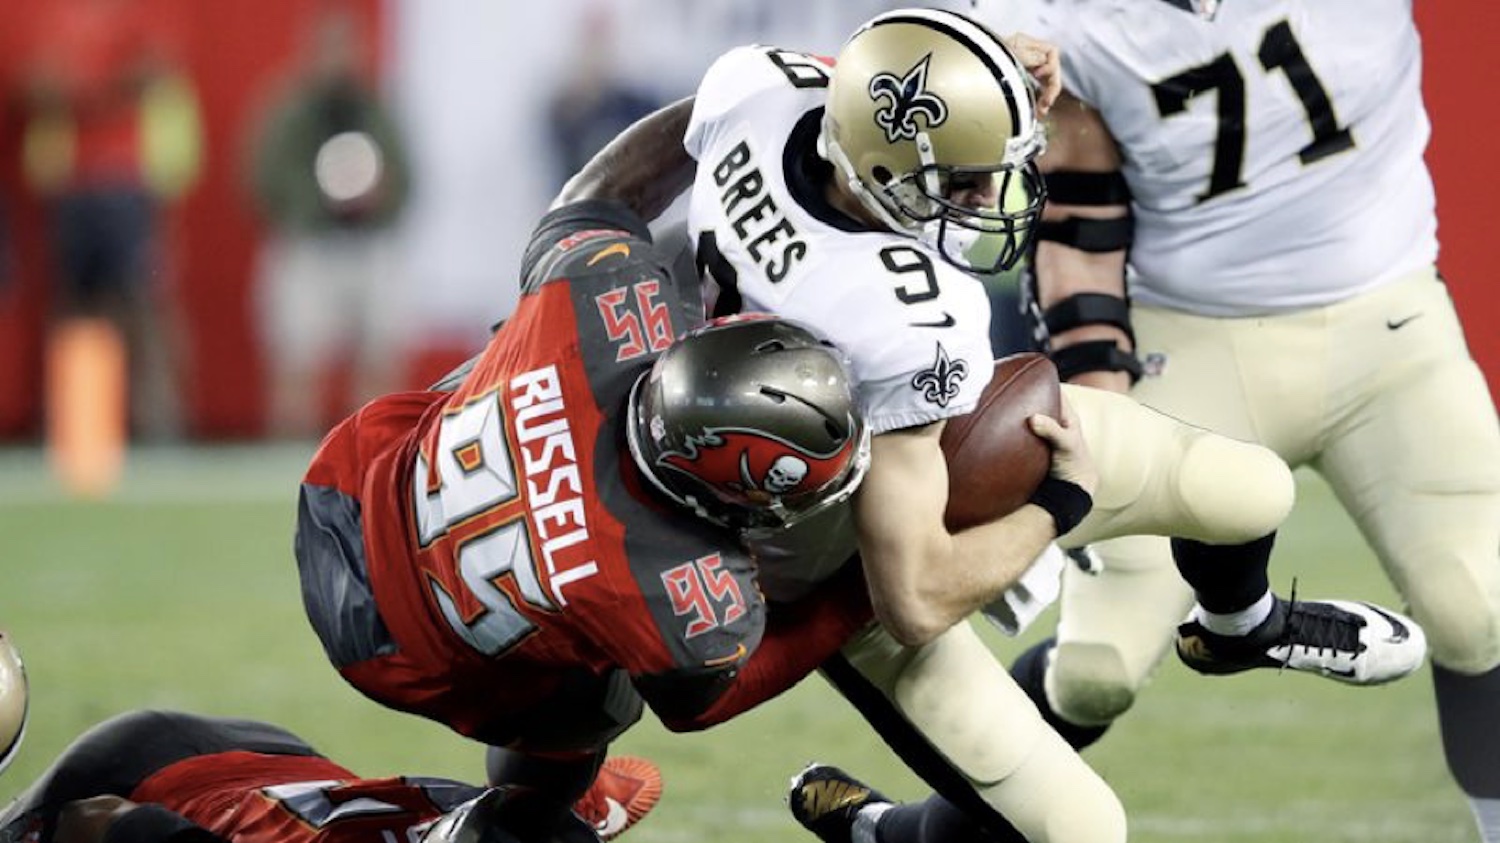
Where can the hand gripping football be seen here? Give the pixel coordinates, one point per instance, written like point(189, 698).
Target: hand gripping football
point(995, 462)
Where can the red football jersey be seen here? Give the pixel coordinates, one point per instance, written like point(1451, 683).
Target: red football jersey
point(500, 529)
point(249, 797)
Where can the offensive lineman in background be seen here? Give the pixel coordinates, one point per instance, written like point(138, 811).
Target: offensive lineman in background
point(1264, 175)
point(849, 196)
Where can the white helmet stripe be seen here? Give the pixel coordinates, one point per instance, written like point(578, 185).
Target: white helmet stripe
point(983, 44)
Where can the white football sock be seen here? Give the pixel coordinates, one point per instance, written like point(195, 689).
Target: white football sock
point(865, 820)
point(1487, 817)
point(1237, 623)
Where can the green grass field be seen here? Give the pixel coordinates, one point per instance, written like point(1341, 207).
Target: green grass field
point(181, 592)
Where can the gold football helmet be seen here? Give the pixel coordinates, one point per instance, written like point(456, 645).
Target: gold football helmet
point(932, 124)
point(13, 701)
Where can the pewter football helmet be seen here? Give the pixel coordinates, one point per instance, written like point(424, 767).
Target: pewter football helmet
point(750, 421)
point(932, 124)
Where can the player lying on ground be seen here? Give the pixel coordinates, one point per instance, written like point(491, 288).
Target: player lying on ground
point(154, 777)
point(171, 777)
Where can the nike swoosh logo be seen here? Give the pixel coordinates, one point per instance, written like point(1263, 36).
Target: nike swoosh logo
point(1399, 631)
point(739, 652)
point(621, 249)
point(615, 819)
point(1396, 324)
point(946, 322)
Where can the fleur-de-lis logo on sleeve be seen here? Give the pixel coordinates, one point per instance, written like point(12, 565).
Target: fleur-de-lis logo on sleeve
point(940, 383)
point(908, 97)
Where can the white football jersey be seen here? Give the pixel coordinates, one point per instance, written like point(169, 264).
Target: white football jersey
point(915, 329)
point(1274, 150)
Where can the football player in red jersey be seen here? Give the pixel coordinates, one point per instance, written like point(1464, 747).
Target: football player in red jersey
point(171, 777)
point(547, 542)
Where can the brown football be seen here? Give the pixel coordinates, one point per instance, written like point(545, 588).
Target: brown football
point(994, 460)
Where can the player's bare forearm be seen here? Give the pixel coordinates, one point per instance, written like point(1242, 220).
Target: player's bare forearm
point(1067, 271)
point(1062, 272)
point(924, 579)
point(87, 820)
point(646, 167)
point(95, 819)
point(1078, 142)
point(1081, 153)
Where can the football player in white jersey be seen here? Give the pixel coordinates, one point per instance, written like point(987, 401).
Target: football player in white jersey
point(858, 197)
point(1260, 163)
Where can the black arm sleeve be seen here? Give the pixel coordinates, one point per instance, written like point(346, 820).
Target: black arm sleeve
point(561, 223)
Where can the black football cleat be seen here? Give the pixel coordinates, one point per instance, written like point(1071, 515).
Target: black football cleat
point(826, 801)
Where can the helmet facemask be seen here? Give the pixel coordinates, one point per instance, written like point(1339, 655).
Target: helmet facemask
point(475, 821)
point(984, 239)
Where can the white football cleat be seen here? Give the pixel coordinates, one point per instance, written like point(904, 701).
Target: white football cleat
point(1344, 640)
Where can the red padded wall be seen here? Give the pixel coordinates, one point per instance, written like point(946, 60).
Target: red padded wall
point(234, 52)
point(1464, 101)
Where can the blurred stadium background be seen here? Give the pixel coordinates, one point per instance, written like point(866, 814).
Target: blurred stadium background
point(496, 103)
point(169, 581)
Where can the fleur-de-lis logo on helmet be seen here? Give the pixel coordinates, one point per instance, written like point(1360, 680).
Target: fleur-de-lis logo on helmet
point(908, 98)
point(940, 383)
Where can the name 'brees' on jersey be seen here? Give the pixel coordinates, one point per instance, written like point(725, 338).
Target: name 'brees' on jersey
point(760, 224)
point(753, 215)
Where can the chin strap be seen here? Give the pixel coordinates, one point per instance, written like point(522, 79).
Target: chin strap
point(834, 154)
